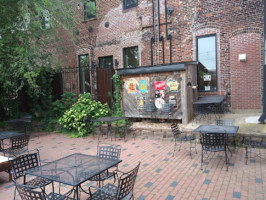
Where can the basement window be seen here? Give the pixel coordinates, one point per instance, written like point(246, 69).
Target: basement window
point(131, 57)
point(89, 9)
point(130, 3)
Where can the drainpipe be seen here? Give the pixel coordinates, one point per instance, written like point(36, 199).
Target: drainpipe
point(168, 36)
point(152, 41)
point(158, 24)
point(154, 30)
point(263, 116)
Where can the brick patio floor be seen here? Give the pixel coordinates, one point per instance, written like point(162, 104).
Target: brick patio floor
point(162, 176)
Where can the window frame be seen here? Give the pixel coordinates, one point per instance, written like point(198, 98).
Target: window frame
point(216, 62)
point(85, 13)
point(126, 48)
point(111, 57)
point(131, 6)
point(83, 72)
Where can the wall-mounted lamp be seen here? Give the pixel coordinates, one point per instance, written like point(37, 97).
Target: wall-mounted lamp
point(170, 10)
point(90, 29)
point(116, 62)
point(106, 24)
point(77, 32)
point(78, 6)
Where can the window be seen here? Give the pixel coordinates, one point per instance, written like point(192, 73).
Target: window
point(84, 73)
point(131, 57)
point(89, 9)
point(206, 54)
point(105, 62)
point(130, 3)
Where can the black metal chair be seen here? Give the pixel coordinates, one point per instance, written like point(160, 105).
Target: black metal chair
point(181, 137)
point(124, 190)
point(225, 122)
point(18, 145)
point(25, 162)
point(29, 192)
point(214, 142)
point(107, 151)
point(254, 143)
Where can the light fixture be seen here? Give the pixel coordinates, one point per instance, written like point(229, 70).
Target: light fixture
point(78, 6)
point(116, 62)
point(170, 10)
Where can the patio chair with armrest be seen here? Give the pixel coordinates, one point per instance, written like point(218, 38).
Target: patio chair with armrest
point(18, 145)
point(181, 137)
point(214, 142)
point(254, 143)
point(107, 151)
point(29, 192)
point(124, 189)
point(25, 162)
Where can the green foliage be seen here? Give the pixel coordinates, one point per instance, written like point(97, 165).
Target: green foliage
point(33, 35)
point(73, 119)
point(65, 103)
point(116, 110)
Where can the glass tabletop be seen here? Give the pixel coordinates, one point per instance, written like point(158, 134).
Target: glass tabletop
point(73, 169)
point(9, 134)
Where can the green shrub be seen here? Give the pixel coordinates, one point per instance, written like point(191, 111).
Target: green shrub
point(73, 119)
point(64, 104)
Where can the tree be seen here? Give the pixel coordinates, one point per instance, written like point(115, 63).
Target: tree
point(30, 49)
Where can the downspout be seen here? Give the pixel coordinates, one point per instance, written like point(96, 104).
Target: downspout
point(263, 116)
point(158, 24)
point(168, 36)
point(162, 39)
point(154, 30)
point(152, 41)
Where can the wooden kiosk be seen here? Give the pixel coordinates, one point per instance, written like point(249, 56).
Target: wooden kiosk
point(160, 91)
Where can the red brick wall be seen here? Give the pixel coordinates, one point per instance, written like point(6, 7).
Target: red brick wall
point(246, 76)
point(190, 18)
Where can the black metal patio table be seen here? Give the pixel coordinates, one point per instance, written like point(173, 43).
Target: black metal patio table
point(9, 134)
point(74, 169)
point(205, 106)
point(108, 120)
point(229, 130)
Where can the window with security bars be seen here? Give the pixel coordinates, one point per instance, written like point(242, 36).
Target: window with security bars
point(89, 9)
point(131, 57)
point(130, 3)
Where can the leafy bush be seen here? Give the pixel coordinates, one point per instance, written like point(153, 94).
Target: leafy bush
point(73, 119)
point(64, 104)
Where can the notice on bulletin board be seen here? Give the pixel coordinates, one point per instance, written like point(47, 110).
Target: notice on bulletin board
point(131, 87)
point(172, 84)
point(143, 86)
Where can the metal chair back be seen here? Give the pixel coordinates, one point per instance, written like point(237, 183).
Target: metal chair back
point(224, 122)
point(23, 163)
point(108, 151)
point(28, 192)
point(175, 129)
point(126, 183)
point(20, 142)
point(213, 141)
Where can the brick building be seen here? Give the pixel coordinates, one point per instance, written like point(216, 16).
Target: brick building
point(226, 36)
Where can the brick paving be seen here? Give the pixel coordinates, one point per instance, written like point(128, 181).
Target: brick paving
point(162, 176)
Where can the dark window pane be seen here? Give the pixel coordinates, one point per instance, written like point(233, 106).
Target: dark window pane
point(105, 62)
point(84, 73)
point(130, 3)
point(131, 57)
point(207, 75)
point(89, 9)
